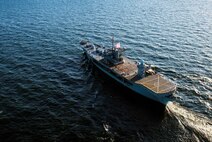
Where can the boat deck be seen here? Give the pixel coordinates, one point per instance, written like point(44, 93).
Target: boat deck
point(128, 69)
point(157, 84)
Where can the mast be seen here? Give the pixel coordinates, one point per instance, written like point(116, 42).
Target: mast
point(112, 41)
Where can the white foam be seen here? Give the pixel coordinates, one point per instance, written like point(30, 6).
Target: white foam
point(192, 120)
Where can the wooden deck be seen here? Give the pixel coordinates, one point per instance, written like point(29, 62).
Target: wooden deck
point(157, 84)
point(128, 69)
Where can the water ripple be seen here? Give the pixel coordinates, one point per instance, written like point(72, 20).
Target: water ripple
point(47, 93)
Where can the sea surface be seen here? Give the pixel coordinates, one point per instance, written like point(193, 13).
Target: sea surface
point(47, 92)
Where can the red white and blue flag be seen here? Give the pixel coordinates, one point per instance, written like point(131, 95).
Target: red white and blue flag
point(118, 45)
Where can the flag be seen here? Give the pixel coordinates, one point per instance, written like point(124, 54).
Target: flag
point(118, 45)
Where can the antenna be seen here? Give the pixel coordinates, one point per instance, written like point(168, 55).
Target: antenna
point(112, 41)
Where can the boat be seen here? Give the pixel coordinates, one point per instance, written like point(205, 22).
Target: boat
point(139, 77)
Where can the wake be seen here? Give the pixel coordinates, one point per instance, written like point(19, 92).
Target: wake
point(199, 125)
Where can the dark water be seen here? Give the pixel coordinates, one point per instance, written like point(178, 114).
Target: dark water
point(46, 94)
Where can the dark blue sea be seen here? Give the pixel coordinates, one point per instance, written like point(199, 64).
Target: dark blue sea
point(48, 94)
